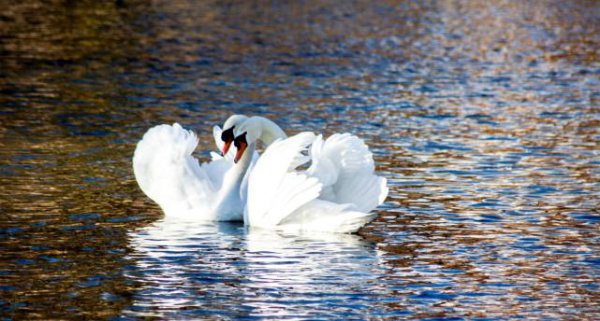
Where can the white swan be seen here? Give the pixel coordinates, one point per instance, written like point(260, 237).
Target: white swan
point(335, 194)
point(167, 173)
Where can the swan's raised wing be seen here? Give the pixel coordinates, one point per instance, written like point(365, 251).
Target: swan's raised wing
point(345, 167)
point(168, 173)
point(275, 189)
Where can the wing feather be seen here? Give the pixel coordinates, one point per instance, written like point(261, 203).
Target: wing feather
point(167, 172)
point(275, 190)
point(345, 167)
point(324, 216)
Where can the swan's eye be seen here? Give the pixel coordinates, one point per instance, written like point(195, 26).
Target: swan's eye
point(227, 135)
point(240, 140)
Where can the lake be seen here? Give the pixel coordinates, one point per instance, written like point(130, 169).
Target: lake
point(484, 117)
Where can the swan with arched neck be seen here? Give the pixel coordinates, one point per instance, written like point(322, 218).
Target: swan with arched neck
point(168, 174)
point(336, 193)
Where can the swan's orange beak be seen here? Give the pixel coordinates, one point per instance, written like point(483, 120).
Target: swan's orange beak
point(241, 148)
point(226, 148)
point(227, 137)
point(241, 144)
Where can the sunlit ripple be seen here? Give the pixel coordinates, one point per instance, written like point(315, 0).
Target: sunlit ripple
point(228, 270)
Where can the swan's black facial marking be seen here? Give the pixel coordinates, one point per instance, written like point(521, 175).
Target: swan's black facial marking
point(227, 137)
point(241, 144)
point(241, 139)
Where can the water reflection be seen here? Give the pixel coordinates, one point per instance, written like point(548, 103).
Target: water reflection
point(228, 271)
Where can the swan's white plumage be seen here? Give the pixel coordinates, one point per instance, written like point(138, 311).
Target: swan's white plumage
point(345, 167)
point(217, 131)
point(224, 166)
point(219, 165)
point(335, 194)
point(274, 191)
point(316, 199)
point(324, 216)
point(168, 173)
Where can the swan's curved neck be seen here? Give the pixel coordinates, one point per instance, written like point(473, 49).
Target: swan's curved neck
point(269, 130)
point(229, 198)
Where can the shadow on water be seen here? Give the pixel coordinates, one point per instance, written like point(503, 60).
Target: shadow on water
point(483, 116)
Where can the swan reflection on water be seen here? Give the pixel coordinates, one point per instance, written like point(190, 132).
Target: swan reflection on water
point(227, 269)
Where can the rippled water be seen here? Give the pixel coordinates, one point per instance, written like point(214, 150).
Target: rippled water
point(484, 117)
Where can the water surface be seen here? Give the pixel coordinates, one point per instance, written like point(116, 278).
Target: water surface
point(485, 118)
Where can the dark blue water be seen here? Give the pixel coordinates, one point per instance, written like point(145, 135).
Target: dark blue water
point(484, 117)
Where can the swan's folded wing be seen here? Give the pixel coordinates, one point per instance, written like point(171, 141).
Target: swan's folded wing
point(324, 216)
point(216, 170)
point(168, 173)
point(275, 189)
